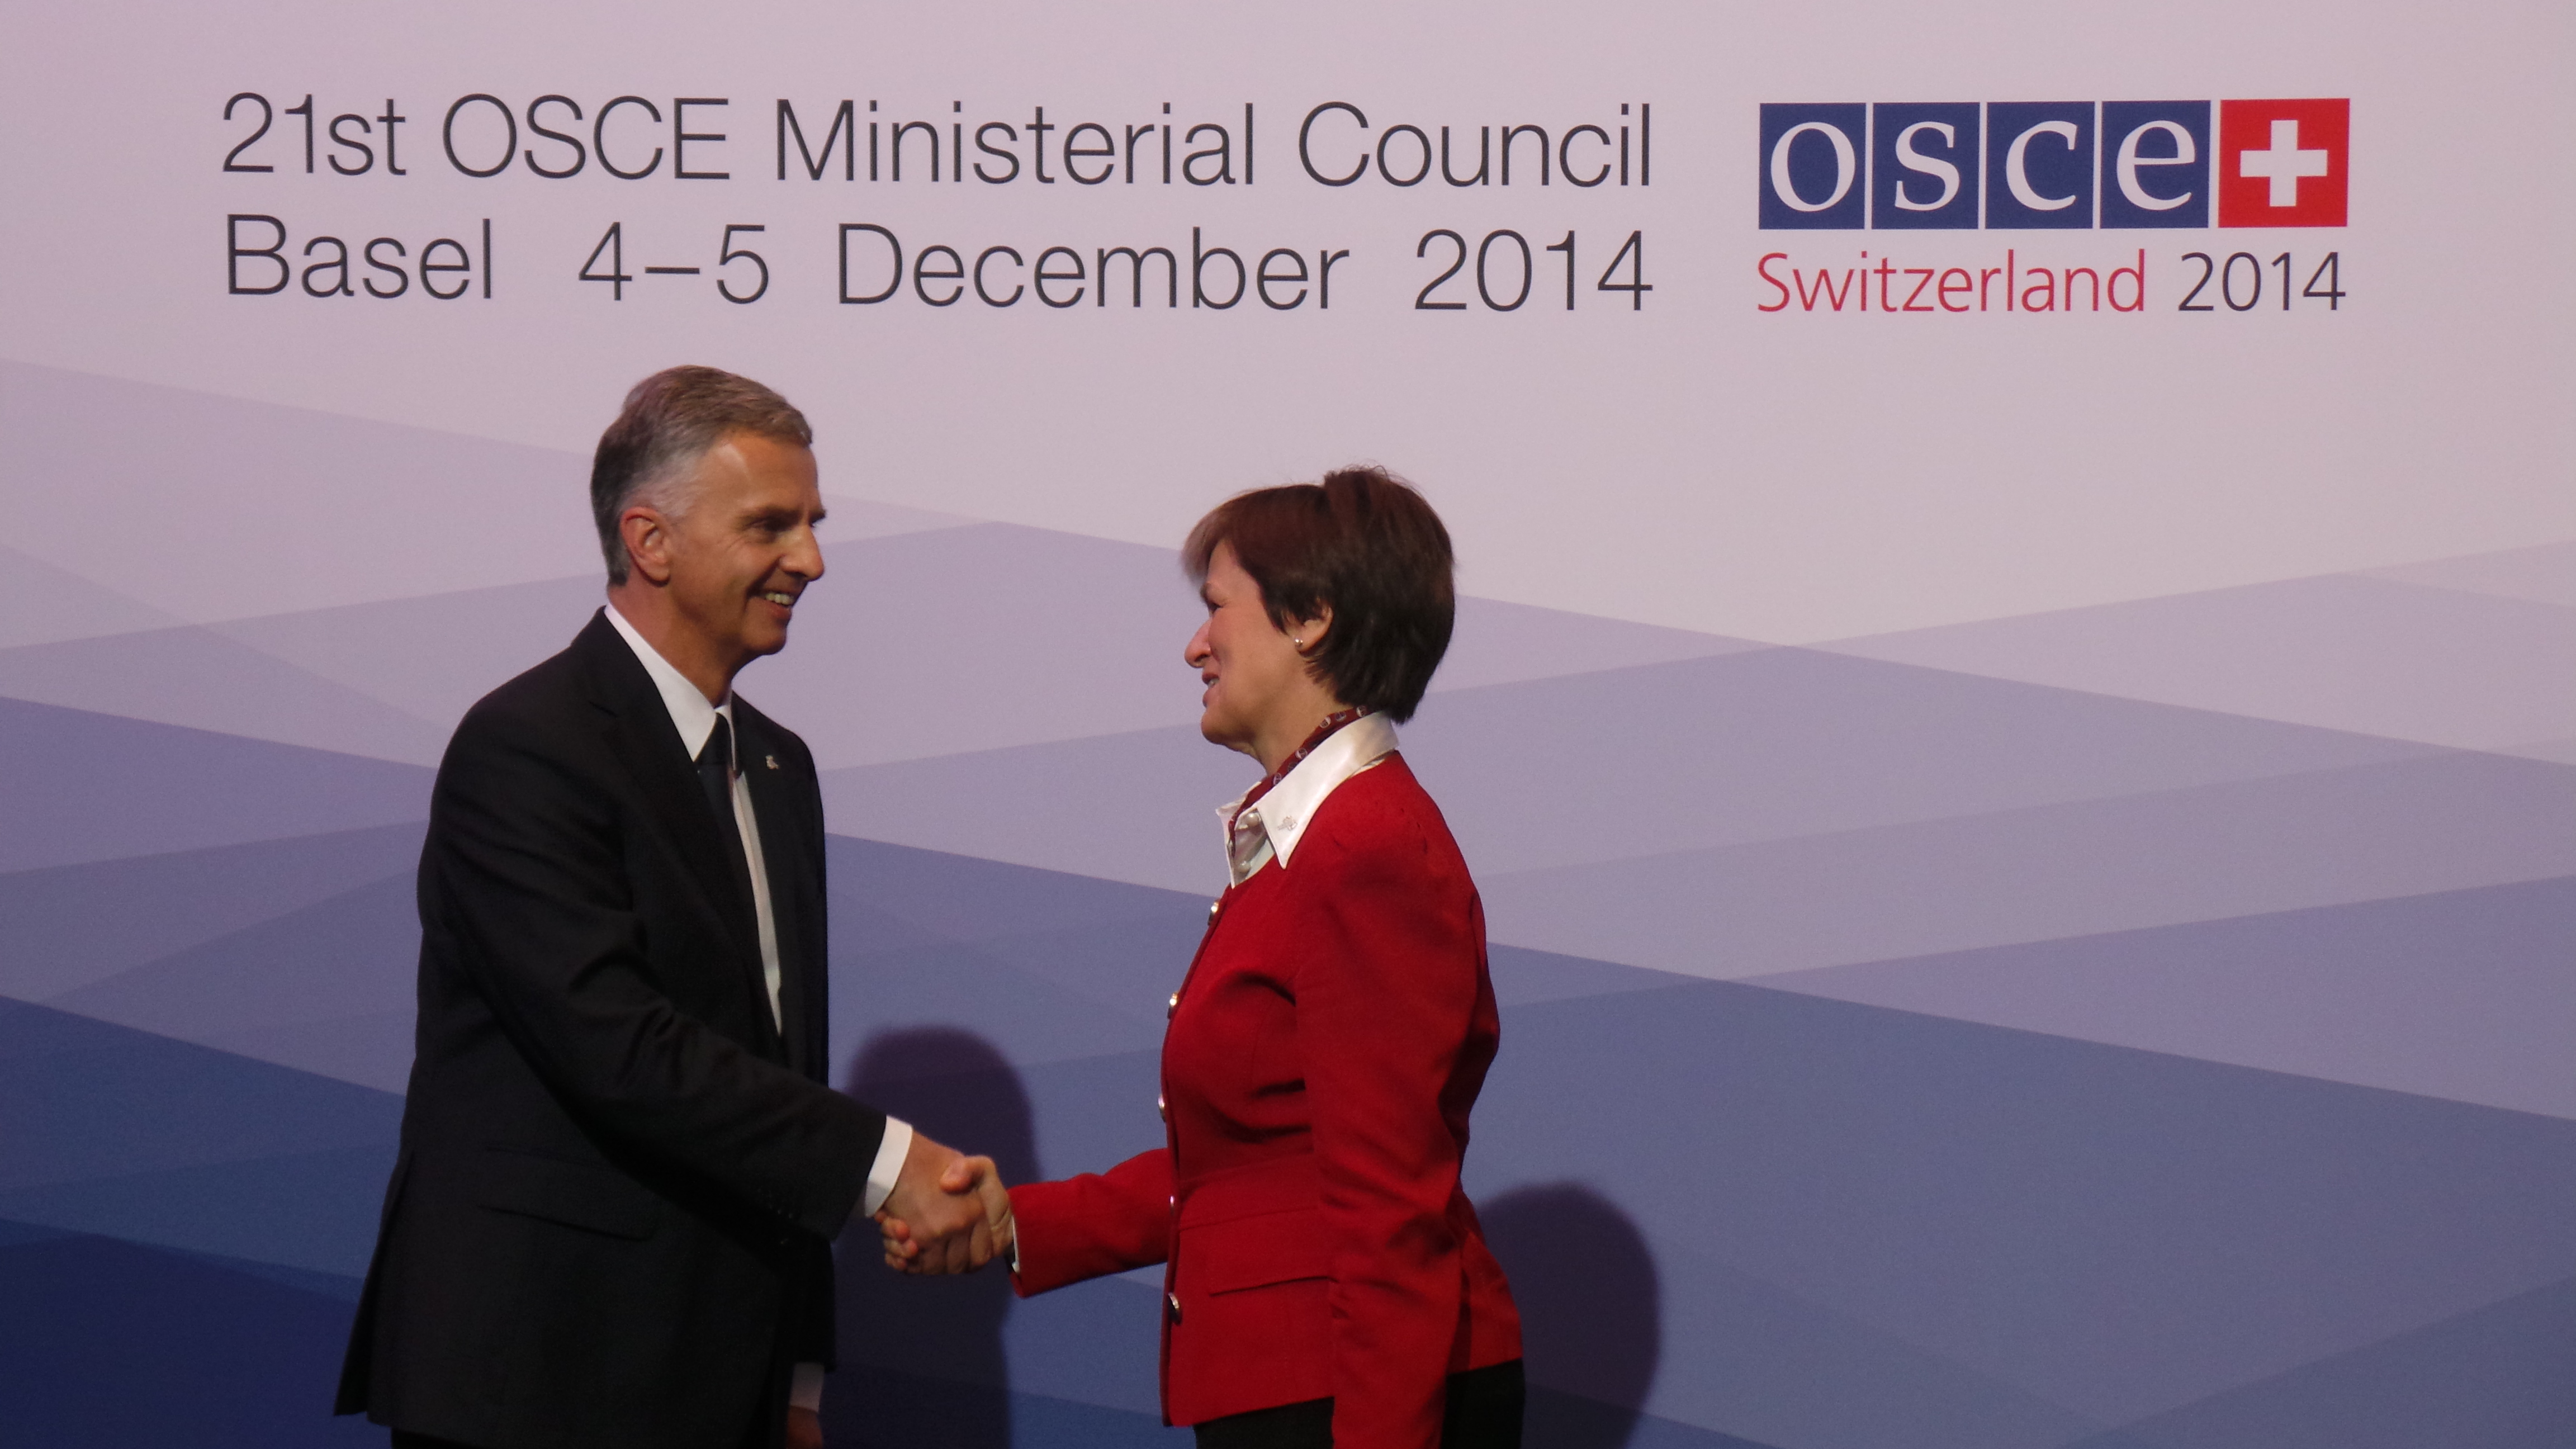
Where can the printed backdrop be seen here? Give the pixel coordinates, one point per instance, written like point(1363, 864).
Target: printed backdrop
point(2016, 719)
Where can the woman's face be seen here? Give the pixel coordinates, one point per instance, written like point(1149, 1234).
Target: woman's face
point(1257, 685)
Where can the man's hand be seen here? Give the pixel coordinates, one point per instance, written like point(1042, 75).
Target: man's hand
point(804, 1429)
point(971, 1186)
point(942, 1230)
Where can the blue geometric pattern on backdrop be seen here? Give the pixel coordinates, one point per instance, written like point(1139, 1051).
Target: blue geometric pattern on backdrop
point(1884, 1228)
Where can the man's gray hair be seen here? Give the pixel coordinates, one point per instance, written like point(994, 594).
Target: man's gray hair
point(669, 422)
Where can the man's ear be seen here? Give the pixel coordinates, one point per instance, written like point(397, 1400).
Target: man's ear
point(648, 543)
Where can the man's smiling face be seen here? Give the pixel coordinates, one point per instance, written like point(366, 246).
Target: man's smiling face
point(744, 550)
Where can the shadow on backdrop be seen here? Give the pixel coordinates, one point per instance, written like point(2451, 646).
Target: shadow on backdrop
point(1591, 1312)
point(922, 1362)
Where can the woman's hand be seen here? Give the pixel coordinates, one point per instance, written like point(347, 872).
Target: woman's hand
point(995, 1235)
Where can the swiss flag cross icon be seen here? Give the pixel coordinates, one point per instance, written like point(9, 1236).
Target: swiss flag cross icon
point(2283, 163)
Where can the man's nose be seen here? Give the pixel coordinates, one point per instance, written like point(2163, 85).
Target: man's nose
point(805, 559)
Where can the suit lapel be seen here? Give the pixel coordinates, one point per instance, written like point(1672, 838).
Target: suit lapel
point(640, 735)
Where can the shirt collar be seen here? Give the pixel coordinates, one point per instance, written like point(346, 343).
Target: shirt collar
point(691, 715)
point(1273, 824)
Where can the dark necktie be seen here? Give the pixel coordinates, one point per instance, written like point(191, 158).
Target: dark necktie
point(715, 773)
point(717, 777)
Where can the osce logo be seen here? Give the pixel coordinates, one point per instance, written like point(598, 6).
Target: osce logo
point(2031, 164)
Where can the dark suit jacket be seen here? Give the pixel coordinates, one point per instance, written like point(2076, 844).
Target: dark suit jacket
point(610, 1220)
point(1323, 1057)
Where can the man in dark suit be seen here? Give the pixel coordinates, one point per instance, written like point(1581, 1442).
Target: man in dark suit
point(621, 1167)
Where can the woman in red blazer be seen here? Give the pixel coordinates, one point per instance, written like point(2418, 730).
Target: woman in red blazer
point(1326, 1283)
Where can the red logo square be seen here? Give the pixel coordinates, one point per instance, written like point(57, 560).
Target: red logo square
point(2283, 163)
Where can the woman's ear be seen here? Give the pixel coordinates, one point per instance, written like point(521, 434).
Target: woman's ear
point(1308, 634)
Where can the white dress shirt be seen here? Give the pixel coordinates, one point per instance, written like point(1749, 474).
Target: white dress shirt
point(1272, 825)
point(695, 719)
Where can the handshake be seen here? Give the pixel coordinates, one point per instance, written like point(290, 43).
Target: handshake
point(948, 1213)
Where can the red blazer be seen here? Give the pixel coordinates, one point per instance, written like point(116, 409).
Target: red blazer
point(1324, 1053)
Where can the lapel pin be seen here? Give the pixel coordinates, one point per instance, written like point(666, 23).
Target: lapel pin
point(773, 761)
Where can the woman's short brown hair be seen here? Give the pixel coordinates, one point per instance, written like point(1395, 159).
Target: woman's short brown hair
point(1363, 543)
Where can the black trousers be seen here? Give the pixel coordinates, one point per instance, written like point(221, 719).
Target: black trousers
point(1484, 1413)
